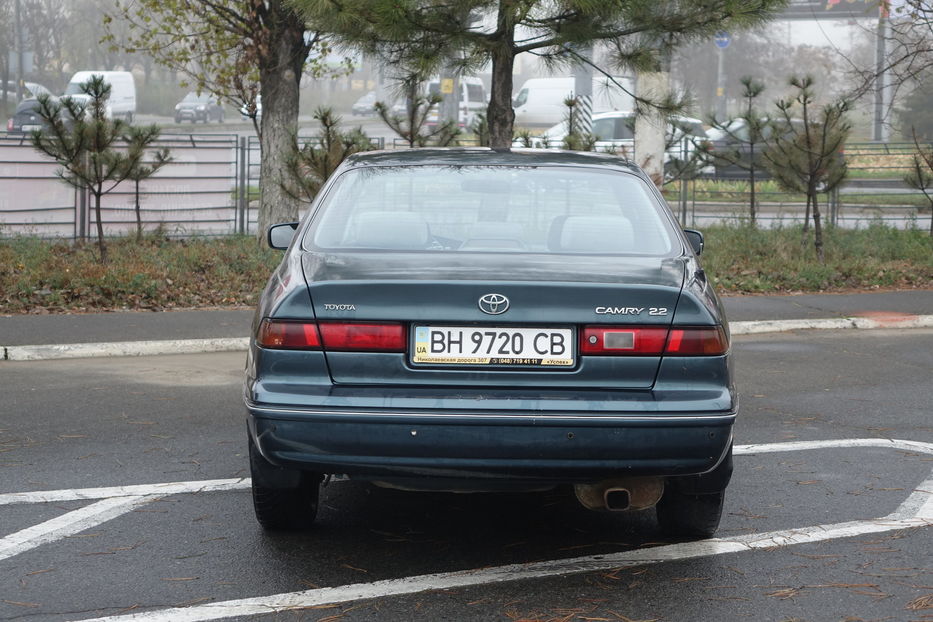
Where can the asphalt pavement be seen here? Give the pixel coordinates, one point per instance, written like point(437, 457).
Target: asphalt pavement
point(136, 326)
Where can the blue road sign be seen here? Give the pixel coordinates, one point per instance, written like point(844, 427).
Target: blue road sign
point(722, 40)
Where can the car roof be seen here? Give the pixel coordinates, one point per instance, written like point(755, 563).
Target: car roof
point(484, 156)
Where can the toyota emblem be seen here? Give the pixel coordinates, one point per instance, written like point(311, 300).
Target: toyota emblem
point(493, 304)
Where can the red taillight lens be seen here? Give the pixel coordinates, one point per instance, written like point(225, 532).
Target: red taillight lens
point(360, 337)
point(9, 124)
point(363, 337)
point(288, 335)
point(697, 341)
point(622, 340)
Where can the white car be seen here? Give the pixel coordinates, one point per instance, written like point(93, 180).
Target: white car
point(122, 101)
point(540, 101)
point(615, 132)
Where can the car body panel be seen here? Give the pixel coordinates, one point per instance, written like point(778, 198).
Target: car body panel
point(377, 415)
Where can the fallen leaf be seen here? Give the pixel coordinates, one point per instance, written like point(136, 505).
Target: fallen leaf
point(917, 604)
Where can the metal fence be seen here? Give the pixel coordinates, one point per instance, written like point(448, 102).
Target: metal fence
point(211, 187)
point(197, 193)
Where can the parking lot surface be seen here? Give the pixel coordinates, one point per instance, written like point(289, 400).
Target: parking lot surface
point(123, 496)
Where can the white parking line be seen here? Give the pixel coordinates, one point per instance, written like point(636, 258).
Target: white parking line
point(68, 524)
point(915, 511)
point(171, 488)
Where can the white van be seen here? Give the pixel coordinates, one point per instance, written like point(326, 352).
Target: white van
point(472, 100)
point(122, 102)
point(540, 101)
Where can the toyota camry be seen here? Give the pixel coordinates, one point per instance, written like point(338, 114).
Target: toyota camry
point(483, 320)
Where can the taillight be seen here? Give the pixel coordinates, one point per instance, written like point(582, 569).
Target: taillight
point(288, 335)
point(697, 341)
point(363, 337)
point(342, 336)
point(653, 341)
point(622, 340)
point(9, 124)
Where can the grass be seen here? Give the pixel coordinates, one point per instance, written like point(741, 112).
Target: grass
point(38, 276)
point(748, 260)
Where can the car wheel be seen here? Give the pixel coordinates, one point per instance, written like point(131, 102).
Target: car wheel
point(687, 515)
point(283, 499)
point(177, 119)
point(220, 118)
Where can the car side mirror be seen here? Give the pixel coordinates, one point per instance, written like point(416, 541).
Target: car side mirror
point(696, 240)
point(280, 236)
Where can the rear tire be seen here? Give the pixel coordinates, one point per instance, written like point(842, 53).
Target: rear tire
point(691, 516)
point(283, 499)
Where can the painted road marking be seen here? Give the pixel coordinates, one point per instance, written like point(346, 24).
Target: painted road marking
point(915, 511)
point(172, 488)
point(69, 524)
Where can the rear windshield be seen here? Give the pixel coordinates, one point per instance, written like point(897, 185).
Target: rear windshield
point(547, 209)
point(27, 105)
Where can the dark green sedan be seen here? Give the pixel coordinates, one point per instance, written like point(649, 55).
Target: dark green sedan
point(479, 320)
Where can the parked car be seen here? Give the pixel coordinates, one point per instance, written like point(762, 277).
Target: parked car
point(732, 140)
point(472, 100)
point(199, 107)
point(540, 101)
point(365, 105)
point(615, 132)
point(473, 319)
point(26, 117)
point(122, 100)
point(31, 90)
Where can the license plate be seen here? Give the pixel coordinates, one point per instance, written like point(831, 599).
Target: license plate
point(493, 345)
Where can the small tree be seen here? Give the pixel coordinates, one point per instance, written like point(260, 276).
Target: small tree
point(576, 139)
point(804, 154)
point(413, 128)
point(920, 175)
point(81, 138)
point(748, 137)
point(139, 140)
point(480, 127)
point(309, 166)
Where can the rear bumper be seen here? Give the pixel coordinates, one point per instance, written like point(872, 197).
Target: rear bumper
point(532, 447)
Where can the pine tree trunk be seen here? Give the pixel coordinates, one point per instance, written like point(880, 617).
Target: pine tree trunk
point(279, 77)
point(139, 218)
point(101, 244)
point(806, 217)
point(499, 114)
point(751, 177)
point(817, 228)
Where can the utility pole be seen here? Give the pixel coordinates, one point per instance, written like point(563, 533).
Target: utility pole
point(881, 132)
point(583, 91)
point(722, 41)
point(651, 126)
point(19, 53)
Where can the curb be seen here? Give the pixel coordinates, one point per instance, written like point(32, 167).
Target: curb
point(123, 348)
point(241, 344)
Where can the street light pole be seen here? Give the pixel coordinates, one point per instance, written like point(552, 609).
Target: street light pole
point(19, 53)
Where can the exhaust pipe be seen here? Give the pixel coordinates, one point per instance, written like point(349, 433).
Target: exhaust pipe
point(619, 495)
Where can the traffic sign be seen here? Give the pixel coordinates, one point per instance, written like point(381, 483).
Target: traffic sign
point(722, 39)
